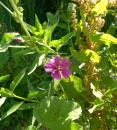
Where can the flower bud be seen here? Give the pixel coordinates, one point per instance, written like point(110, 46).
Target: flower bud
point(18, 39)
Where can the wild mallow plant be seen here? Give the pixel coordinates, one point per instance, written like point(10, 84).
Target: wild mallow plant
point(66, 83)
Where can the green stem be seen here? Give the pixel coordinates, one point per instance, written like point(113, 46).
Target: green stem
point(4, 6)
point(68, 25)
point(62, 87)
point(25, 99)
point(49, 91)
point(10, 46)
point(24, 27)
point(45, 45)
point(19, 17)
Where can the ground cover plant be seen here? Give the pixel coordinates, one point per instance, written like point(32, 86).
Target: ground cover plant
point(58, 70)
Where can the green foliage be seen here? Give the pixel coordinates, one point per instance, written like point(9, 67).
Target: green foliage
point(101, 7)
point(57, 114)
point(4, 78)
point(86, 55)
point(7, 38)
point(17, 79)
point(106, 39)
point(2, 100)
point(11, 110)
point(60, 42)
point(76, 31)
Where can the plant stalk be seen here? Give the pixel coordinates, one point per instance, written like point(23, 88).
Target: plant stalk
point(20, 19)
point(25, 99)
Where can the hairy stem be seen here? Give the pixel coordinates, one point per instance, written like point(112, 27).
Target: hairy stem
point(19, 18)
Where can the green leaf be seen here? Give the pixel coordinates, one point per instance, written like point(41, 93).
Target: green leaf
point(34, 65)
point(95, 123)
point(17, 79)
point(38, 26)
point(16, 1)
point(4, 56)
point(79, 55)
point(94, 57)
point(37, 29)
point(100, 7)
point(26, 106)
point(48, 33)
point(75, 114)
point(52, 19)
point(7, 38)
point(3, 48)
point(52, 24)
point(56, 84)
point(76, 126)
point(69, 90)
point(62, 26)
point(2, 100)
point(113, 60)
point(4, 78)
point(77, 83)
point(97, 93)
point(103, 38)
point(6, 93)
point(63, 40)
point(52, 112)
point(108, 38)
point(94, 108)
point(37, 62)
point(98, 105)
point(86, 55)
point(41, 59)
point(33, 94)
point(33, 120)
point(32, 29)
point(31, 128)
point(12, 110)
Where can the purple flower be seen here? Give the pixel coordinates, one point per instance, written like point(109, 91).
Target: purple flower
point(58, 67)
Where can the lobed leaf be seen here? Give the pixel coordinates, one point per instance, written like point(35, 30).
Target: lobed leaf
point(57, 114)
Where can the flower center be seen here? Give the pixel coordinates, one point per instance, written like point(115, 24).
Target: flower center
point(59, 68)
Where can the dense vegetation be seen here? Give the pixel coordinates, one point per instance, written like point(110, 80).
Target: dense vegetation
point(58, 65)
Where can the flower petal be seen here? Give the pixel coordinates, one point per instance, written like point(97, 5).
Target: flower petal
point(65, 63)
point(49, 67)
point(58, 67)
point(66, 72)
point(56, 75)
point(57, 60)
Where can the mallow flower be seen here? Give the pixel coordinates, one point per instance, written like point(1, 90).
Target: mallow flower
point(58, 67)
